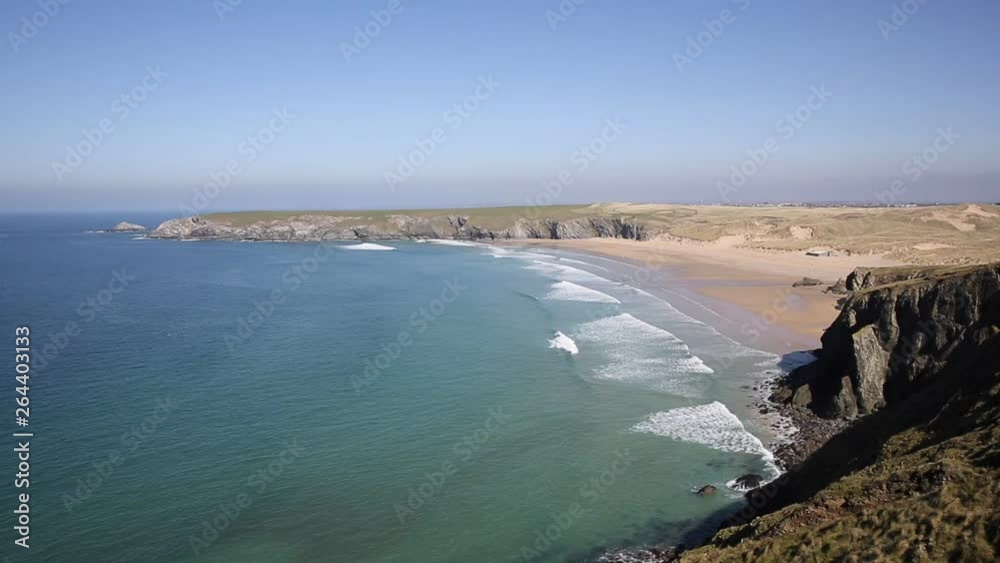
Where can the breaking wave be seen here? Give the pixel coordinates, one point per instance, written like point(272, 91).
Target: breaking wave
point(447, 242)
point(640, 352)
point(367, 246)
point(569, 291)
point(562, 272)
point(712, 425)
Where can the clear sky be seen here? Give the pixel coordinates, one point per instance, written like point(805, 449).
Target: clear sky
point(199, 79)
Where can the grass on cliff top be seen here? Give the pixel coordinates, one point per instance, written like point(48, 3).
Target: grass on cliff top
point(482, 216)
point(923, 274)
point(922, 502)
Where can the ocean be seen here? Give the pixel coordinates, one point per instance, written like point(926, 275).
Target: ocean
point(385, 402)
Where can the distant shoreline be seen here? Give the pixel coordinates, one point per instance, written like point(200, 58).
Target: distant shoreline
point(925, 235)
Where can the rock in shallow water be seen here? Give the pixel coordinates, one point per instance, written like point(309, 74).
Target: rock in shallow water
point(706, 490)
point(749, 481)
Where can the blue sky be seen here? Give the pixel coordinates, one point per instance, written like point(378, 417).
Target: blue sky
point(221, 79)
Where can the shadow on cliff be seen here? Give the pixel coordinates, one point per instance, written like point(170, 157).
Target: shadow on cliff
point(962, 397)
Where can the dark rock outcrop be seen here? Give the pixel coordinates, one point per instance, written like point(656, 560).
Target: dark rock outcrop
point(838, 288)
point(807, 282)
point(749, 481)
point(891, 337)
point(706, 490)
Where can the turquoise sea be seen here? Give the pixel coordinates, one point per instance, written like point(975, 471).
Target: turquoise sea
point(260, 402)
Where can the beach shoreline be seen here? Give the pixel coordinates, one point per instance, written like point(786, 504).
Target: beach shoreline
point(750, 291)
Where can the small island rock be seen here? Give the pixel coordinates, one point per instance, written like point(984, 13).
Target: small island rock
point(126, 227)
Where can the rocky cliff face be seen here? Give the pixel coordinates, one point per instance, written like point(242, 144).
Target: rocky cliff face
point(918, 480)
point(328, 227)
point(900, 329)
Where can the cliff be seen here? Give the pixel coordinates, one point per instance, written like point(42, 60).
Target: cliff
point(390, 226)
point(900, 328)
point(916, 476)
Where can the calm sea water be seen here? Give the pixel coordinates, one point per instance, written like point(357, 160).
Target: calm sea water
point(228, 402)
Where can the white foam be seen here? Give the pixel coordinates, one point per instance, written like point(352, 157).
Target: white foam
point(638, 348)
point(563, 272)
point(367, 246)
point(528, 255)
point(563, 342)
point(497, 252)
point(447, 242)
point(711, 425)
point(640, 353)
point(569, 291)
point(588, 264)
point(733, 485)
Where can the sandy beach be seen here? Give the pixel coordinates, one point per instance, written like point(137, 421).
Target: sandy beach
point(750, 285)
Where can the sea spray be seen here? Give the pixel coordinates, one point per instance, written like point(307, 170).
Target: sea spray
point(563, 342)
